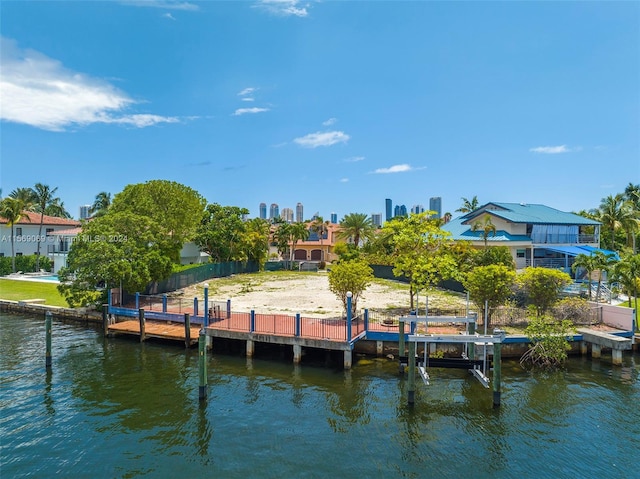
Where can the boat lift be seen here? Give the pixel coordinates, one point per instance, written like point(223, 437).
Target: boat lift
point(477, 367)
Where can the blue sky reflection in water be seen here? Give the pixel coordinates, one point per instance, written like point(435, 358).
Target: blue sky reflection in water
point(117, 408)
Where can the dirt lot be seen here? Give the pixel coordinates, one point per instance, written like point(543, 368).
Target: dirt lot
point(305, 293)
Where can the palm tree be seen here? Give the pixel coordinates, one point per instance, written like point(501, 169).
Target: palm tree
point(43, 196)
point(26, 195)
point(604, 263)
point(100, 204)
point(56, 208)
point(588, 262)
point(297, 232)
point(356, 226)
point(12, 209)
point(612, 213)
point(468, 206)
point(321, 228)
point(627, 273)
point(486, 227)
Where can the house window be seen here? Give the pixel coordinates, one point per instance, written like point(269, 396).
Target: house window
point(1, 255)
point(18, 254)
point(18, 231)
point(520, 253)
point(49, 230)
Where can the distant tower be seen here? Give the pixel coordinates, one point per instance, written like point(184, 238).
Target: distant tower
point(376, 219)
point(84, 212)
point(299, 213)
point(287, 215)
point(400, 210)
point(415, 209)
point(388, 209)
point(274, 211)
point(263, 211)
point(334, 218)
point(435, 204)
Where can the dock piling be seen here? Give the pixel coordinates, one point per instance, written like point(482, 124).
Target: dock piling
point(105, 319)
point(187, 330)
point(48, 327)
point(141, 319)
point(202, 355)
point(411, 359)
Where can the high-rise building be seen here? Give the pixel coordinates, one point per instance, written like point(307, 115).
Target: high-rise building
point(415, 209)
point(388, 208)
point(376, 219)
point(400, 210)
point(274, 211)
point(299, 213)
point(435, 204)
point(287, 215)
point(263, 211)
point(334, 218)
point(84, 212)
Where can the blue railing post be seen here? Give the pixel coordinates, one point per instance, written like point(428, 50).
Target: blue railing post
point(137, 300)
point(228, 309)
point(206, 305)
point(195, 307)
point(366, 320)
point(252, 321)
point(349, 295)
point(164, 303)
point(298, 324)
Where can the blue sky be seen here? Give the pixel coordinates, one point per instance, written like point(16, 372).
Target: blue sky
point(337, 105)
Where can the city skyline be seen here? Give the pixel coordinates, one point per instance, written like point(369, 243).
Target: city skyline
point(336, 105)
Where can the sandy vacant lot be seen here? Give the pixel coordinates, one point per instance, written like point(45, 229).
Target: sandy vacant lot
point(306, 293)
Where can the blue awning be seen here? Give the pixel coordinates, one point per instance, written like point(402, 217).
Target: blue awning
point(576, 250)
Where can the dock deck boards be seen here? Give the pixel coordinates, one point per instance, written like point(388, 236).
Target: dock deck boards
point(156, 329)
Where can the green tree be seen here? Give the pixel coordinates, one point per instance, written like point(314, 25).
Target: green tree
point(550, 342)
point(356, 227)
point(281, 238)
point(12, 210)
point(26, 195)
point(604, 263)
point(257, 241)
point(468, 206)
point(116, 248)
point(542, 286)
point(221, 233)
point(350, 276)
point(486, 227)
point(494, 255)
point(56, 208)
point(421, 251)
point(491, 285)
point(101, 204)
point(321, 228)
point(588, 263)
point(627, 273)
point(175, 208)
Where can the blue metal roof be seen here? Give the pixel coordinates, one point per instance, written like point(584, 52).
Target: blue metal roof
point(460, 231)
point(576, 250)
point(530, 214)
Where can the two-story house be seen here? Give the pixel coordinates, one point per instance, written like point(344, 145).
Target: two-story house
point(536, 235)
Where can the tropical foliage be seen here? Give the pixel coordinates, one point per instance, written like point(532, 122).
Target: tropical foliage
point(550, 342)
point(489, 286)
point(12, 209)
point(542, 287)
point(350, 277)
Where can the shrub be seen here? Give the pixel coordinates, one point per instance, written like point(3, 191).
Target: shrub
point(24, 263)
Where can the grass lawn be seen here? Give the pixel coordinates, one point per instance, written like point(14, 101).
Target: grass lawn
point(17, 290)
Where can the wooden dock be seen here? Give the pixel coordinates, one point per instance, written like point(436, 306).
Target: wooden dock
point(156, 329)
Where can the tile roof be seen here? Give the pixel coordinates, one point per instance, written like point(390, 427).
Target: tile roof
point(30, 217)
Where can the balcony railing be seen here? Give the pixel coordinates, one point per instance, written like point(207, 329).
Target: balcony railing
point(565, 239)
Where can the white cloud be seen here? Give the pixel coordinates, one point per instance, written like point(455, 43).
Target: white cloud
point(169, 16)
point(248, 98)
point(242, 111)
point(327, 138)
point(329, 122)
point(283, 8)
point(247, 91)
point(39, 91)
point(403, 168)
point(344, 180)
point(354, 159)
point(554, 150)
point(164, 4)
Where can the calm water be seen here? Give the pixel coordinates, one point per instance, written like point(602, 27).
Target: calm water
point(119, 409)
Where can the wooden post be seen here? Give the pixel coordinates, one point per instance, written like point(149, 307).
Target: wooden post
point(411, 359)
point(472, 346)
point(164, 303)
point(228, 309)
point(252, 321)
point(105, 319)
point(187, 330)
point(141, 319)
point(401, 347)
point(497, 373)
point(298, 325)
point(48, 327)
point(202, 355)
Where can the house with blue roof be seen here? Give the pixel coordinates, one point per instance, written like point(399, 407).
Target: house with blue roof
point(536, 235)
